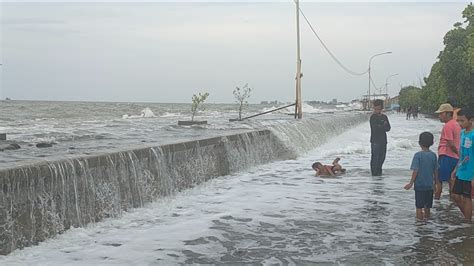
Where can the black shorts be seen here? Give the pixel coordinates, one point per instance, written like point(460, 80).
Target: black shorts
point(424, 199)
point(462, 187)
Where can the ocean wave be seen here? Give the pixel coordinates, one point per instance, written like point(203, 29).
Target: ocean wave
point(145, 113)
point(167, 114)
point(307, 108)
point(44, 140)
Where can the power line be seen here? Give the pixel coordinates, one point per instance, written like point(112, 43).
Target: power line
point(373, 83)
point(329, 51)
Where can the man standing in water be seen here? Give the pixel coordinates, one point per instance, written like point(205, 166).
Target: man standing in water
point(448, 153)
point(379, 126)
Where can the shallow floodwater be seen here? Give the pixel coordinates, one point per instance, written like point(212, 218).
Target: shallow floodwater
point(280, 213)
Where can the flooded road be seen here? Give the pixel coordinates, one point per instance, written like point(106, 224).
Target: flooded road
point(280, 213)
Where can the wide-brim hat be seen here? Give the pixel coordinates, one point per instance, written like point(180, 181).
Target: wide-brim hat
point(445, 107)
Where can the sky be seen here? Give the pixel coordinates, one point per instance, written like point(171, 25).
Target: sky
point(166, 51)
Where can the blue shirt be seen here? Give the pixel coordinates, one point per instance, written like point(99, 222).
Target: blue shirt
point(426, 163)
point(466, 159)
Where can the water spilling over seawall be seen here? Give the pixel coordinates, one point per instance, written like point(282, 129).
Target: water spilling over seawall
point(42, 200)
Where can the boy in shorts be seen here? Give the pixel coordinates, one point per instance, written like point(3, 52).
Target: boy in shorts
point(464, 171)
point(424, 176)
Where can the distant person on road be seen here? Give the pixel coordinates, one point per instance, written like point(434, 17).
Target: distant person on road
point(414, 111)
point(448, 149)
point(464, 171)
point(379, 126)
point(424, 176)
point(328, 170)
point(408, 112)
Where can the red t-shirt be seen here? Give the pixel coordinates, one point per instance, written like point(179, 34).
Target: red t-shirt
point(451, 131)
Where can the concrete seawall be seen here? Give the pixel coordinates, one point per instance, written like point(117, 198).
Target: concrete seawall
point(42, 200)
point(39, 201)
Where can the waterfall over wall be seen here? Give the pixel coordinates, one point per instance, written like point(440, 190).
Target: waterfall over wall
point(304, 135)
point(42, 200)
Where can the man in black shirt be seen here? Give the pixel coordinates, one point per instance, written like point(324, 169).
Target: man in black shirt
point(379, 126)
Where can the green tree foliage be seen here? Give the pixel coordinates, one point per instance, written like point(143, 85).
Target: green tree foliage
point(453, 73)
point(409, 96)
point(434, 92)
point(198, 101)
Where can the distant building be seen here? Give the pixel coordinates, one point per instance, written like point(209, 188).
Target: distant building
point(394, 99)
point(392, 103)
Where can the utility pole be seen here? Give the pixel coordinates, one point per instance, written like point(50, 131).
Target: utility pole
point(298, 107)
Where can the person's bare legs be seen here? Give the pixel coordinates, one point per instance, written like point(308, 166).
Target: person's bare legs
point(451, 186)
point(467, 208)
point(337, 167)
point(427, 213)
point(438, 191)
point(419, 214)
point(458, 200)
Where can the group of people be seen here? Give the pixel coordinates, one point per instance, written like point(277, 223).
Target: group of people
point(411, 111)
point(451, 165)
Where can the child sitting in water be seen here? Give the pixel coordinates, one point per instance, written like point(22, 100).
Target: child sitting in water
point(328, 170)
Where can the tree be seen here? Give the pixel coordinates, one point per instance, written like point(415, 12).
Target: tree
point(434, 92)
point(409, 96)
point(241, 96)
point(453, 73)
point(197, 101)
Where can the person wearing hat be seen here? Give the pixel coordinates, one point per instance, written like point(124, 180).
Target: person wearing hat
point(448, 149)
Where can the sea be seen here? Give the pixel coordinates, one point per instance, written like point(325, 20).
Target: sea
point(85, 128)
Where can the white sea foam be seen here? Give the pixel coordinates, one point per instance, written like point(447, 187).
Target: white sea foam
point(305, 107)
point(44, 140)
point(145, 113)
point(278, 213)
point(166, 114)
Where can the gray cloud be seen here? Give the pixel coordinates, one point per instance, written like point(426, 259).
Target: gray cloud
point(165, 52)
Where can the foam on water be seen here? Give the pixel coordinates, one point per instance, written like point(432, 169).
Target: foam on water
point(145, 113)
point(166, 114)
point(308, 109)
point(279, 213)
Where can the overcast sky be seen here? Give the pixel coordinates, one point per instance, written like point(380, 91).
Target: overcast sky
point(165, 51)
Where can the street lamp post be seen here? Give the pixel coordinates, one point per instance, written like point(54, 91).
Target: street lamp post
point(386, 82)
point(370, 61)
